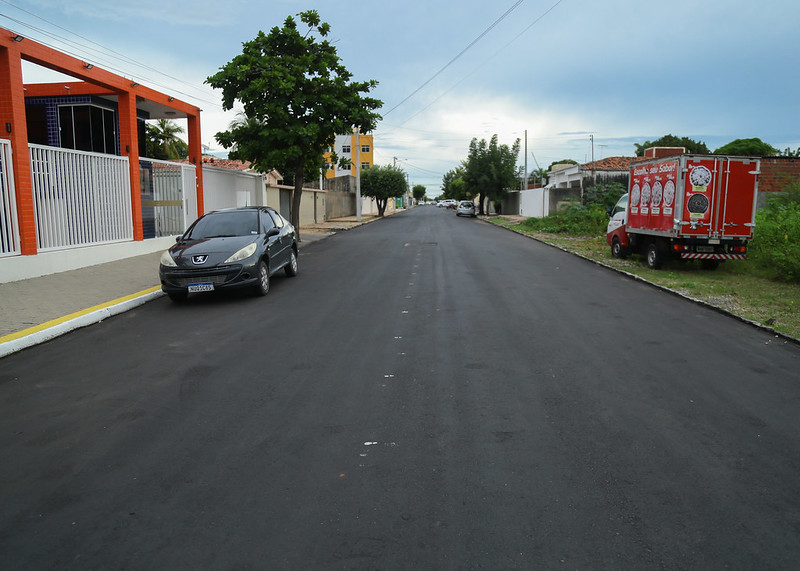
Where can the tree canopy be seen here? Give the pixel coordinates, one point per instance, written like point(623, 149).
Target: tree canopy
point(297, 96)
point(691, 146)
point(748, 147)
point(418, 192)
point(491, 169)
point(383, 183)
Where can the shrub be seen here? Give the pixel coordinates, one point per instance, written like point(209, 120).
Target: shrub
point(575, 220)
point(775, 248)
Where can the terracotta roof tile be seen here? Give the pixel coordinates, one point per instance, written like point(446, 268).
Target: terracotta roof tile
point(611, 164)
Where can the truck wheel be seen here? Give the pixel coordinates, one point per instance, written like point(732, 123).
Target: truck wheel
point(709, 264)
point(617, 250)
point(654, 256)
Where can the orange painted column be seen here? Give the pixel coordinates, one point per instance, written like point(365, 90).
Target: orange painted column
point(13, 127)
point(129, 147)
point(196, 157)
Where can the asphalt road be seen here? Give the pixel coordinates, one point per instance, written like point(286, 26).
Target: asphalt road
point(430, 392)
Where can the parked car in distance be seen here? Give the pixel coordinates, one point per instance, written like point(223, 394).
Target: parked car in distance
point(227, 249)
point(466, 208)
point(447, 203)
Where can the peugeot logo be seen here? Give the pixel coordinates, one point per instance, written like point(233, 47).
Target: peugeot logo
point(197, 260)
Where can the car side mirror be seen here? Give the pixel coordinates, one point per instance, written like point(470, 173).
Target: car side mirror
point(273, 232)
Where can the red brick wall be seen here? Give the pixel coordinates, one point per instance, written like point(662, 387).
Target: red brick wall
point(777, 173)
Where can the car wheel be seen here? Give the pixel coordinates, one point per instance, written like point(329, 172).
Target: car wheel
point(291, 267)
point(617, 249)
point(178, 296)
point(262, 288)
point(654, 256)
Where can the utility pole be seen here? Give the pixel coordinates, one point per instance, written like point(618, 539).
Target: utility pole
point(525, 178)
point(358, 175)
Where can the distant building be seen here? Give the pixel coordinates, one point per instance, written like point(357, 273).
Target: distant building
point(355, 148)
point(610, 169)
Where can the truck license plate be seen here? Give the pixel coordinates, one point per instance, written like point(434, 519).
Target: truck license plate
point(193, 288)
point(705, 249)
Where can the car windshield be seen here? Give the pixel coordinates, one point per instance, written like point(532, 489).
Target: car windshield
point(224, 224)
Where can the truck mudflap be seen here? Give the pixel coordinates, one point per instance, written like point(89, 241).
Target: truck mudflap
point(695, 256)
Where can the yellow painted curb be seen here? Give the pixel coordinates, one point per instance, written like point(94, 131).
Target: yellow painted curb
point(60, 320)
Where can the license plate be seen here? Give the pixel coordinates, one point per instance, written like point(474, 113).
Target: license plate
point(705, 249)
point(194, 288)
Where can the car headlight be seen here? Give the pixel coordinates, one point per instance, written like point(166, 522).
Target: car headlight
point(166, 260)
point(245, 252)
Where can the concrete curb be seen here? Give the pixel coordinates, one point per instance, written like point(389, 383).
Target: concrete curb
point(721, 310)
point(39, 334)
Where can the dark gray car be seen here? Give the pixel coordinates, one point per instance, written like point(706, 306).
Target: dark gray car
point(225, 249)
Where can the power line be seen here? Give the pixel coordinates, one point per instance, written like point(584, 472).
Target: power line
point(462, 52)
point(471, 73)
point(106, 63)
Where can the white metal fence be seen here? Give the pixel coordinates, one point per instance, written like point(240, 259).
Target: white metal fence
point(80, 198)
point(164, 191)
point(9, 227)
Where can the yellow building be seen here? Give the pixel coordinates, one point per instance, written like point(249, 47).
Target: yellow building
point(358, 152)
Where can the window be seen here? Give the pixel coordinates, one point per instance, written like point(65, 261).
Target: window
point(364, 148)
point(87, 128)
point(364, 166)
point(277, 218)
point(347, 167)
point(345, 148)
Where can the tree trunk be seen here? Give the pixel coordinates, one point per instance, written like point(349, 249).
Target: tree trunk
point(297, 194)
point(381, 203)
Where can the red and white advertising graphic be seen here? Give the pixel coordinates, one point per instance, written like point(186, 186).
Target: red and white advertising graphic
point(698, 185)
point(653, 195)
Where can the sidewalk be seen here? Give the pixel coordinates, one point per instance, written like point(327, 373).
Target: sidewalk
point(38, 309)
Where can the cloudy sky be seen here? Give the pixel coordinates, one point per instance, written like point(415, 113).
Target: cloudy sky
point(580, 76)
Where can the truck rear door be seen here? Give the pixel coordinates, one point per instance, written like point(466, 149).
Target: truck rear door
point(738, 192)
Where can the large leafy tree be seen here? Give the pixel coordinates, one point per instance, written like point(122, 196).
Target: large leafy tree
point(383, 183)
point(748, 147)
point(419, 192)
point(297, 96)
point(691, 146)
point(491, 169)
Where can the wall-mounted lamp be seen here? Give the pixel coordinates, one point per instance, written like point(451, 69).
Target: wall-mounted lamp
point(8, 127)
point(171, 99)
point(88, 66)
point(134, 85)
point(17, 38)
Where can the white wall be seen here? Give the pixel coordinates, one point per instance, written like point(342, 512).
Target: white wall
point(534, 203)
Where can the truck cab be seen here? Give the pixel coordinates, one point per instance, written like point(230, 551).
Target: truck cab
point(616, 236)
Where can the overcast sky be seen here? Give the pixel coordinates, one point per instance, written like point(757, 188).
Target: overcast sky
point(620, 71)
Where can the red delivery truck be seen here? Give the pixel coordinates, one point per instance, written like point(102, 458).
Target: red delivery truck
point(694, 207)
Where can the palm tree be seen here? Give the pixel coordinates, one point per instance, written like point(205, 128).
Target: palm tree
point(165, 140)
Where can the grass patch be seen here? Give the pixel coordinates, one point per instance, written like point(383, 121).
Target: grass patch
point(734, 286)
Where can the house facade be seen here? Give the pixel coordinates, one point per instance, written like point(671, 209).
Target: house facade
point(72, 175)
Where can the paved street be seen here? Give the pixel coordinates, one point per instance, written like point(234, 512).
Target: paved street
point(430, 392)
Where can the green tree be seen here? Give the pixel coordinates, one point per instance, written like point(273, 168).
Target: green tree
point(691, 146)
point(491, 169)
point(418, 192)
point(453, 183)
point(748, 147)
point(299, 96)
point(383, 183)
point(163, 141)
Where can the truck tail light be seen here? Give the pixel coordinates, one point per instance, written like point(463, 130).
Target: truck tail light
point(680, 248)
point(738, 249)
